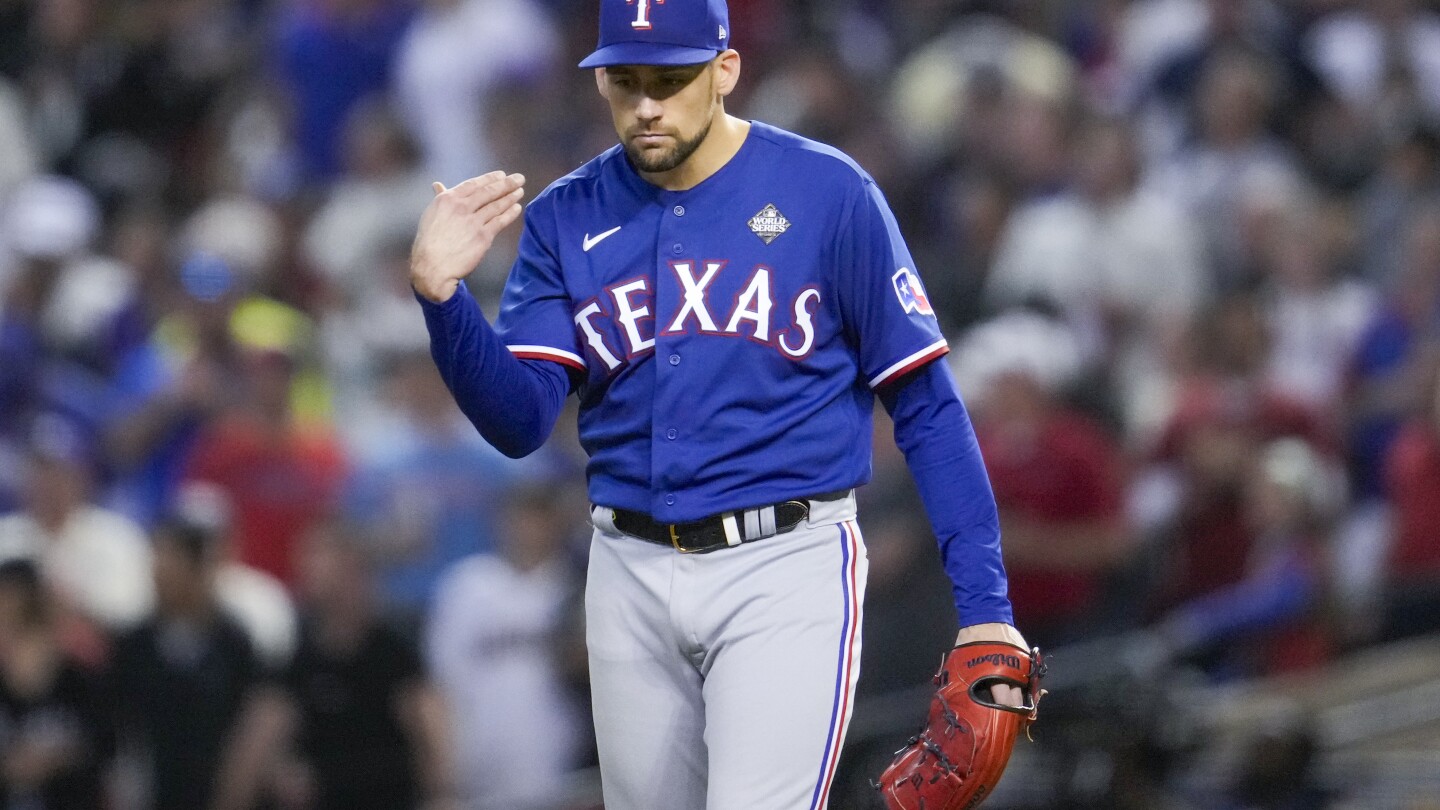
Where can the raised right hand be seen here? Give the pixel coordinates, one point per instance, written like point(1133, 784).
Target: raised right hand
point(458, 228)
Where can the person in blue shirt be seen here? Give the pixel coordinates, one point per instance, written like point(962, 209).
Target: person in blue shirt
point(726, 299)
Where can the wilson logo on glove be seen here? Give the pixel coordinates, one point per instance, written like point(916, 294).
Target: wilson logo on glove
point(995, 659)
point(955, 762)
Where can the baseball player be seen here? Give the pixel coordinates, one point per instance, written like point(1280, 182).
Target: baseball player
point(726, 299)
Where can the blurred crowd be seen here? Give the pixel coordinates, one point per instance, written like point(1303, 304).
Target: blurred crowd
point(1187, 253)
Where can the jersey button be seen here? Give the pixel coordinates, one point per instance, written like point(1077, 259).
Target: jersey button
point(669, 500)
point(671, 434)
point(679, 210)
point(674, 359)
point(676, 248)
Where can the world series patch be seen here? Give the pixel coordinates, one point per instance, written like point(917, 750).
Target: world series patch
point(769, 223)
point(910, 292)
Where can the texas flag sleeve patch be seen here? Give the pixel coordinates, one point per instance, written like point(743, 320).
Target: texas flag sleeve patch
point(910, 292)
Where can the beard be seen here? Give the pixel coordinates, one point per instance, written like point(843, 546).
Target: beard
point(663, 160)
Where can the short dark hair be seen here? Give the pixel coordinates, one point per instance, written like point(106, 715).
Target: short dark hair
point(23, 575)
point(196, 541)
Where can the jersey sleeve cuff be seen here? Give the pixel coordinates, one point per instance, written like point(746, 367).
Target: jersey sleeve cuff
point(534, 352)
point(991, 616)
point(448, 305)
point(910, 362)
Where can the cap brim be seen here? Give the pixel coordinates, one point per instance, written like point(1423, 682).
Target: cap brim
point(647, 53)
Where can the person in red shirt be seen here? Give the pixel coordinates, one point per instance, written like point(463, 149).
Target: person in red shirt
point(1058, 477)
point(1225, 409)
point(1412, 473)
point(281, 475)
point(1279, 616)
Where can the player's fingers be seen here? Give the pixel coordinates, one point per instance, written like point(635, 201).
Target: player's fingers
point(479, 185)
point(438, 186)
point(510, 215)
point(489, 212)
point(1007, 695)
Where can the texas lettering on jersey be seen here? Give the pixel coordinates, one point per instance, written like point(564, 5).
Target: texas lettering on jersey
point(630, 307)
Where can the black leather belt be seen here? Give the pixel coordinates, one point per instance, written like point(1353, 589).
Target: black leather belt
point(708, 534)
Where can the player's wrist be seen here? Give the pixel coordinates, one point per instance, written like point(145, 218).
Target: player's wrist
point(434, 293)
point(991, 631)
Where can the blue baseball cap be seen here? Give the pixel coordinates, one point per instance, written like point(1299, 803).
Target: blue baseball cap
point(660, 32)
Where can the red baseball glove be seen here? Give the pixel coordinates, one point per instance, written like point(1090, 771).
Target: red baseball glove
point(956, 761)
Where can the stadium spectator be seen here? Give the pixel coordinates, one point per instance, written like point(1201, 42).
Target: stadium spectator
point(1105, 248)
point(1412, 468)
point(430, 489)
point(1119, 260)
point(167, 388)
point(56, 297)
point(280, 473)
point(330, 56)
point(449, 61)
point(370, 205)
point(1315, 313)
point(353, 722)
point(201, 314)
point(55, 724)
point(958, 95)
point(1193, 490)
point(1277, 617)
point(1233, 163)
point(1407, 176)
point(1387, 372)
point(493, 646)
point(970, 212)
point(1058, 477)
point(183, 676)
point(257, 601)
point(96, 561)
point(1382, 58)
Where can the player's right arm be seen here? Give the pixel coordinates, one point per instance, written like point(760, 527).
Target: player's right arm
point(513, 402)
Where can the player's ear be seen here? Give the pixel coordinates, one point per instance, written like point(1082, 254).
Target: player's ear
point(727, 71)
point(600, 83)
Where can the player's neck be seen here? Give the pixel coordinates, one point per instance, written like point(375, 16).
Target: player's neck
point(726, 136)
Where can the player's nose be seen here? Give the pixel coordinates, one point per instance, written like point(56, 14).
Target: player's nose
point(648, 109)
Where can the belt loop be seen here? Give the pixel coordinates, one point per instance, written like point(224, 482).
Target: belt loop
point(767, 521)
point(603, 518)
point(752, 524)
point(732, 531)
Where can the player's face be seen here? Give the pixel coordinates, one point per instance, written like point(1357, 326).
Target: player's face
point(661, 113)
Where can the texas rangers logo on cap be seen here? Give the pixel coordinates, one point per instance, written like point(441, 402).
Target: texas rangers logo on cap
point(910, 292)
point(660, 32)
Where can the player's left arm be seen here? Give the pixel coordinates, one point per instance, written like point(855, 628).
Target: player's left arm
point(890, 323)
point(933, 430)
point(889, 320)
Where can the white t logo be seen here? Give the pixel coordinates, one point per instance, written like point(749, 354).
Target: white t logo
point(642, 17)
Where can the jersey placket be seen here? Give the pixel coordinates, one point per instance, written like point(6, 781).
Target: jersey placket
point(670, 464)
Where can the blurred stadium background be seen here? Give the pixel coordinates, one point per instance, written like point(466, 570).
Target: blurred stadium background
point(1187, 253)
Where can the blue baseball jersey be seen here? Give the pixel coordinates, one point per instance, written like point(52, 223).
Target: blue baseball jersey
point(727, 337)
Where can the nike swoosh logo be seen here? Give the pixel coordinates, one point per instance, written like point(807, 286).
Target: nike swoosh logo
point(589, 243)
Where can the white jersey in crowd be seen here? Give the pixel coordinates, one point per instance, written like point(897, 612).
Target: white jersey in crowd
point(99, 561)
point(490, 646)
